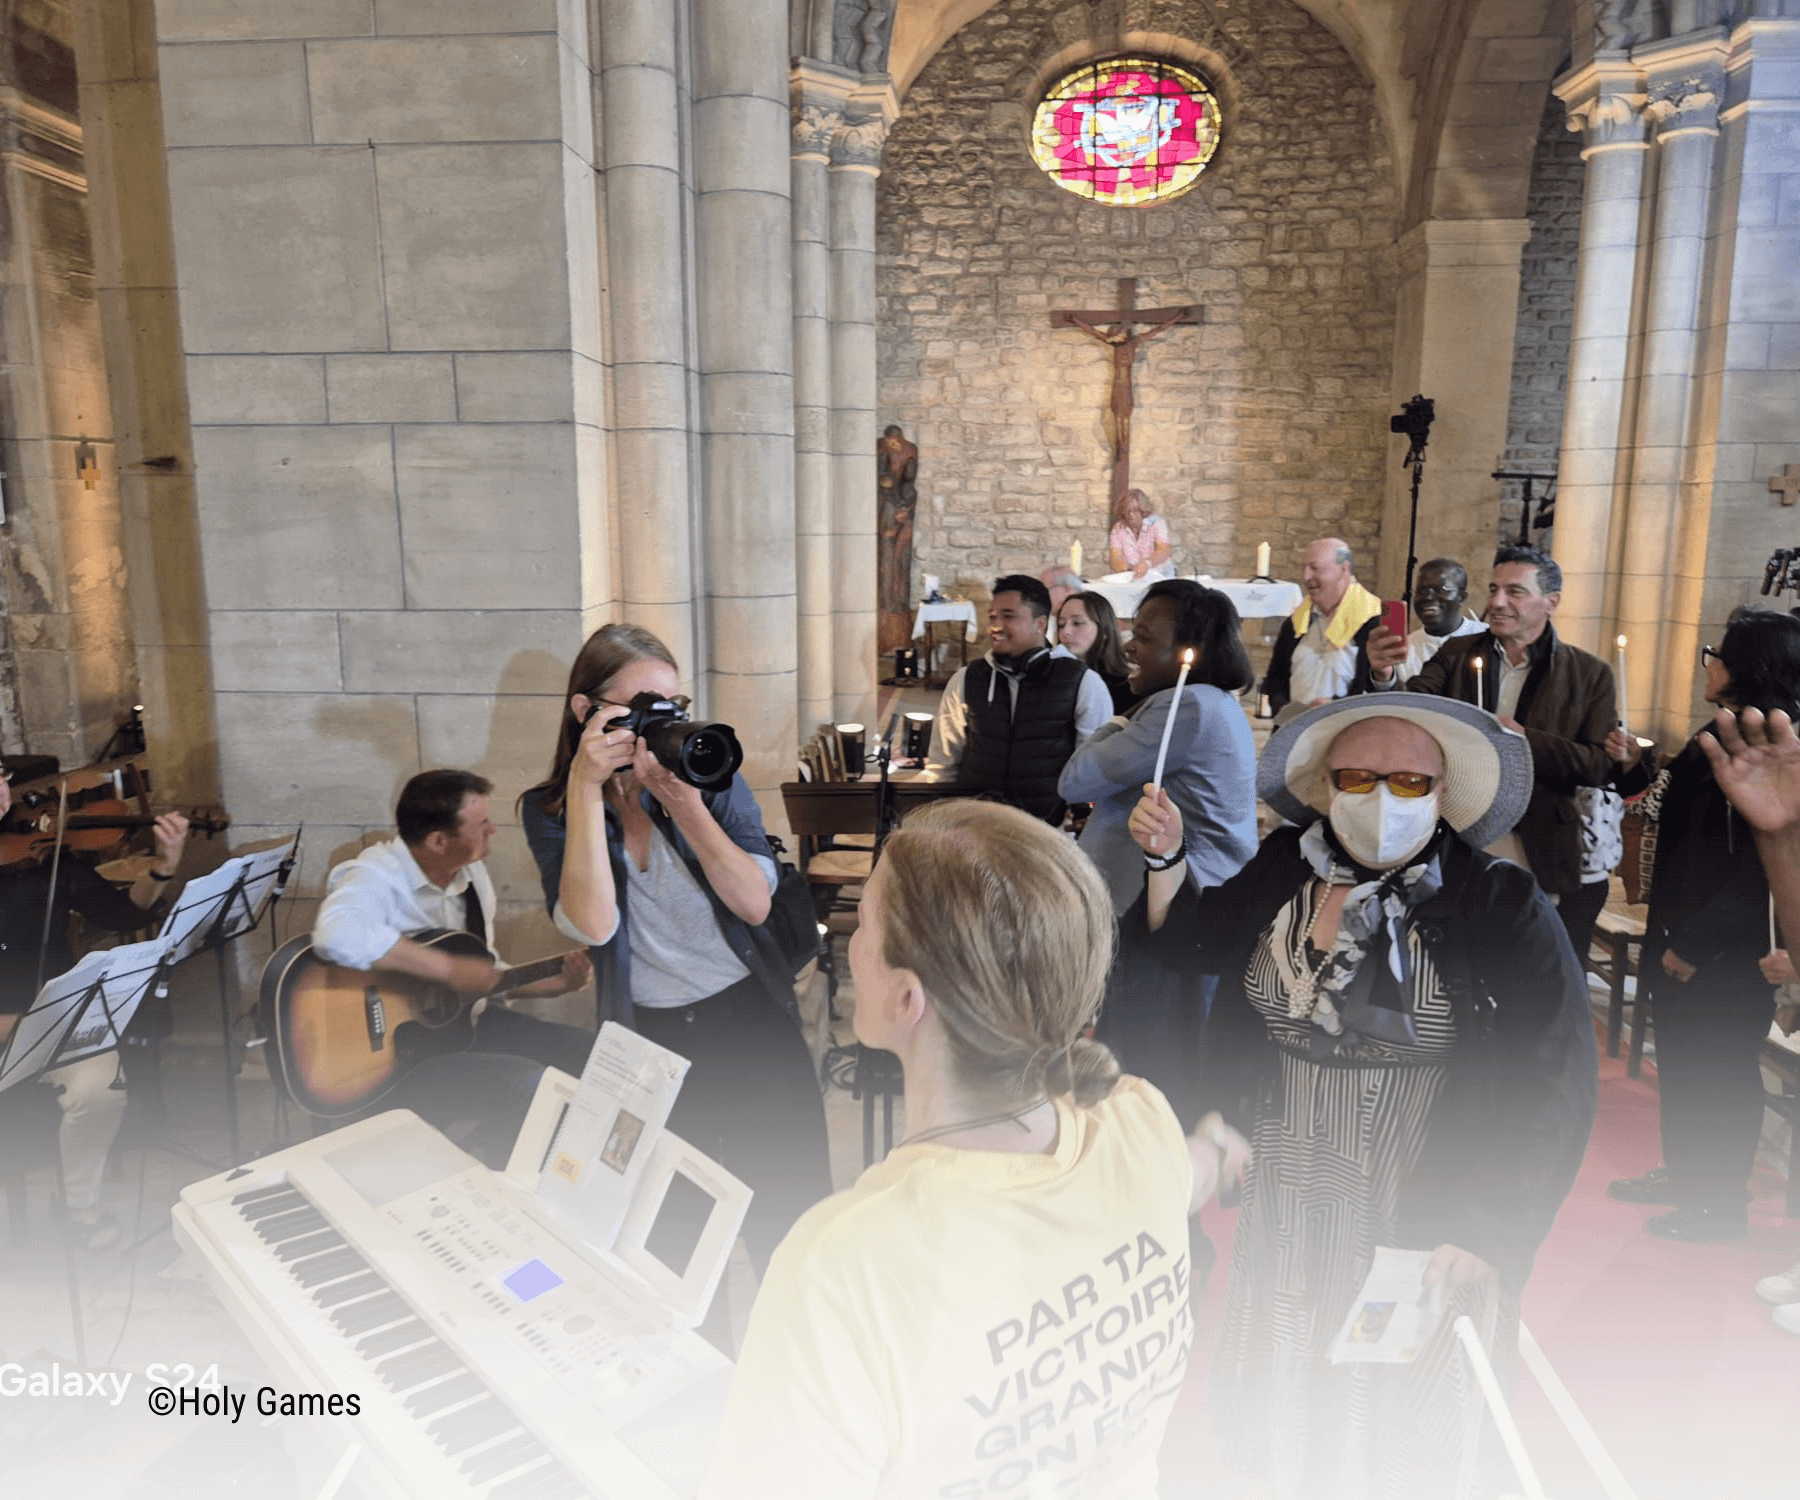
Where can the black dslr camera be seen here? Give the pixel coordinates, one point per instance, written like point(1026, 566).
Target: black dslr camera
point(1414, 421)
point(703, 755)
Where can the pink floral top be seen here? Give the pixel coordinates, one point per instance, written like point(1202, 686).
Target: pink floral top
point(1141, 547)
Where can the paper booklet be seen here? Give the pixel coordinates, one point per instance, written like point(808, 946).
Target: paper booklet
point(605, 1140)
point(1393, 1317)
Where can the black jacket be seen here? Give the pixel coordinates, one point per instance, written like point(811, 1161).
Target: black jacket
point(1019, 749)
point(1566, 708)
point(1509, 1127)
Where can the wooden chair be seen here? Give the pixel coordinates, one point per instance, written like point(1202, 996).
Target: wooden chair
point(1784, 1099)
point(1621, 935)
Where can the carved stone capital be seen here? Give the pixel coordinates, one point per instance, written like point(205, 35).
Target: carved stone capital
point(1608, 120)
point(1685, 104)
point(857, 144)
point(813, 126)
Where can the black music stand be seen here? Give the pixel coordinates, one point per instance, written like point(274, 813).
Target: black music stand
point(77, 1015)
point(217, 908)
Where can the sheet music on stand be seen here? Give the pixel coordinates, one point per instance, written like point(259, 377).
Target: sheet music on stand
point(82, 1013)
point(213, 910)
point(227, 902)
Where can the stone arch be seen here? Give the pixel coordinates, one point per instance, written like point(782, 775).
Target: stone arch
point(1484, 72)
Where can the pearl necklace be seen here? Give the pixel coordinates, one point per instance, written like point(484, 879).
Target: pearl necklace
point(1303, 1001)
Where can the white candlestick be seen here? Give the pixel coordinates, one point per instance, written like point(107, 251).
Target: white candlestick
point(1075, 558)
point(1162, 750)
point(1480, 668)
point(1262, 559)
point(1624, 708)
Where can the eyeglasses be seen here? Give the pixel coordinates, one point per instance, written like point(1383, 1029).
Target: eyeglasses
point(1708, 653)
point(1400, 783)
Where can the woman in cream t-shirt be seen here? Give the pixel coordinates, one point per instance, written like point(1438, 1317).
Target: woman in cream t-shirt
point(1006, 1295)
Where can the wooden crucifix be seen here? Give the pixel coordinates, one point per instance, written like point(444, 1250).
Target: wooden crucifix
point(1114, 328)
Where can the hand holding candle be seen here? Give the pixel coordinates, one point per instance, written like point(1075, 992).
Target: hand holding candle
point(1480, 669)
point(1624, 709)
point(1162, 750)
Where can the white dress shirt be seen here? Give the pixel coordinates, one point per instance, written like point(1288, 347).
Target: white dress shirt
point(380, 896)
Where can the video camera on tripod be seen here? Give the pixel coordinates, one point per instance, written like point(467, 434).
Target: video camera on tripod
point(1781, 575)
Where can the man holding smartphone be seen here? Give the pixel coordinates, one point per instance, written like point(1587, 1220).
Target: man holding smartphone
point(1440, 597)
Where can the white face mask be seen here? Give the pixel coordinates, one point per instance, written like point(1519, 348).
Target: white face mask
point(1381, 830)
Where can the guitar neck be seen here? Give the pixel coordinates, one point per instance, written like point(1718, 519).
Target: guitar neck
point(517, 979)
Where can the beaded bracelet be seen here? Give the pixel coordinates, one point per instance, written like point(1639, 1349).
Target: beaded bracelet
point(1168, 861)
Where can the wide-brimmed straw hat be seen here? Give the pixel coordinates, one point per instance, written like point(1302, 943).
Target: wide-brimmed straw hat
point(1487, 768)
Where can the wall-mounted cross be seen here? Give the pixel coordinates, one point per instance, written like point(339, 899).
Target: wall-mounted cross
point(1113, 327)
point(1787, 484)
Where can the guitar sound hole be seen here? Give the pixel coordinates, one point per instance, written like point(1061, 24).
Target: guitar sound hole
point(434, 1007)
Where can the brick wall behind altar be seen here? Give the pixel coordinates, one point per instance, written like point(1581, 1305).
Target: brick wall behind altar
point(1269, 423)
point(1540, 379)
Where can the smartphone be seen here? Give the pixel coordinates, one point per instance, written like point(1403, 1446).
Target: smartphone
point(1393, 616)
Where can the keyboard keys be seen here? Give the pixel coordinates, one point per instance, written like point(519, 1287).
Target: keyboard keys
point(447, 1393)
point(343, 1291)
point(503, 1457)
point(308, 1244)
point(286, 1226)
point(256, 1195)
point(458, 1431)
point(355, 1318)
point(416, 1366)
point(330, 1266)
point(391, 1339)
point(268, 1207)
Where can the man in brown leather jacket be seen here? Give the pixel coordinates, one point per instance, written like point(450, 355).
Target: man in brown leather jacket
point(1562, 700)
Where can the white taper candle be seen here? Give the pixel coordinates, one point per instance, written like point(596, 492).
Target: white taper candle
point(1162, 750)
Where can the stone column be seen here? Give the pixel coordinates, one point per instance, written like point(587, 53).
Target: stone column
point(1453, 342)
point(745, 329)
point(855, 164)
point(647, 253)
point(818, 94)
point(1605, 101)
point(134, 279)
point(1662, 574)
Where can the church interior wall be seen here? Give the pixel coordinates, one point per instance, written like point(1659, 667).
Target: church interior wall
point(70, 670)
point(1546, 311)
point(1266, 424)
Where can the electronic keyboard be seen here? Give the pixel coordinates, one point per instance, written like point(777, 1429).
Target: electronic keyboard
point(492, 1353)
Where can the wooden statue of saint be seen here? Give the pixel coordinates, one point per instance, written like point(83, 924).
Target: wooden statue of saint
point(896, 469)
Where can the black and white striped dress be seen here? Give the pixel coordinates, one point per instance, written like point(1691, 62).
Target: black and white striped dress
point(1322, 1193)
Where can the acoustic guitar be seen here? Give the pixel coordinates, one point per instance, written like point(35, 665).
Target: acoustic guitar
point(341, 1038)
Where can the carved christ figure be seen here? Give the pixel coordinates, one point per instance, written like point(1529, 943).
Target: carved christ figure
point(1123, 345)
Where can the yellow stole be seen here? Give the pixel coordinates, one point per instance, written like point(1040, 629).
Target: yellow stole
point(1355, 609)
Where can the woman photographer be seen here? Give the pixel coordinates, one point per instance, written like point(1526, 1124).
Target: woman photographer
point(666, 883)
point(937, 1327)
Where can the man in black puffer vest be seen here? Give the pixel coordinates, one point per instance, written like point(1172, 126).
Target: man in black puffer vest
point(1008, 722)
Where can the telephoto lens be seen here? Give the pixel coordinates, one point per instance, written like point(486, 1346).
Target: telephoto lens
point(706, 756)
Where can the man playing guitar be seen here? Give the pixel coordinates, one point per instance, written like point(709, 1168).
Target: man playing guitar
point(433, 876)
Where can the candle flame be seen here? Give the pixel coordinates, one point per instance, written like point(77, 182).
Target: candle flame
point(1621, 643)
point(1187, 657)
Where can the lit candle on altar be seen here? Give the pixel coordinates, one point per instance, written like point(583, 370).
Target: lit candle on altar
point(1162, 750)
point(1075, 558)
point(1480, 667)
point(1624, 709)
point(1262, 559)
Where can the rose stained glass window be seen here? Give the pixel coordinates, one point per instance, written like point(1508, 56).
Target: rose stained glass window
point(1125, 131)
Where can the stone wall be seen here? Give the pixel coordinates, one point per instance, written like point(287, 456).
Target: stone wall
point(1267, 424)
point(1540, 378)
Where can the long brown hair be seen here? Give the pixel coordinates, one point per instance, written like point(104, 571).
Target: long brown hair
point(1107, 655)
point(1010, 929)
point(608, 652)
